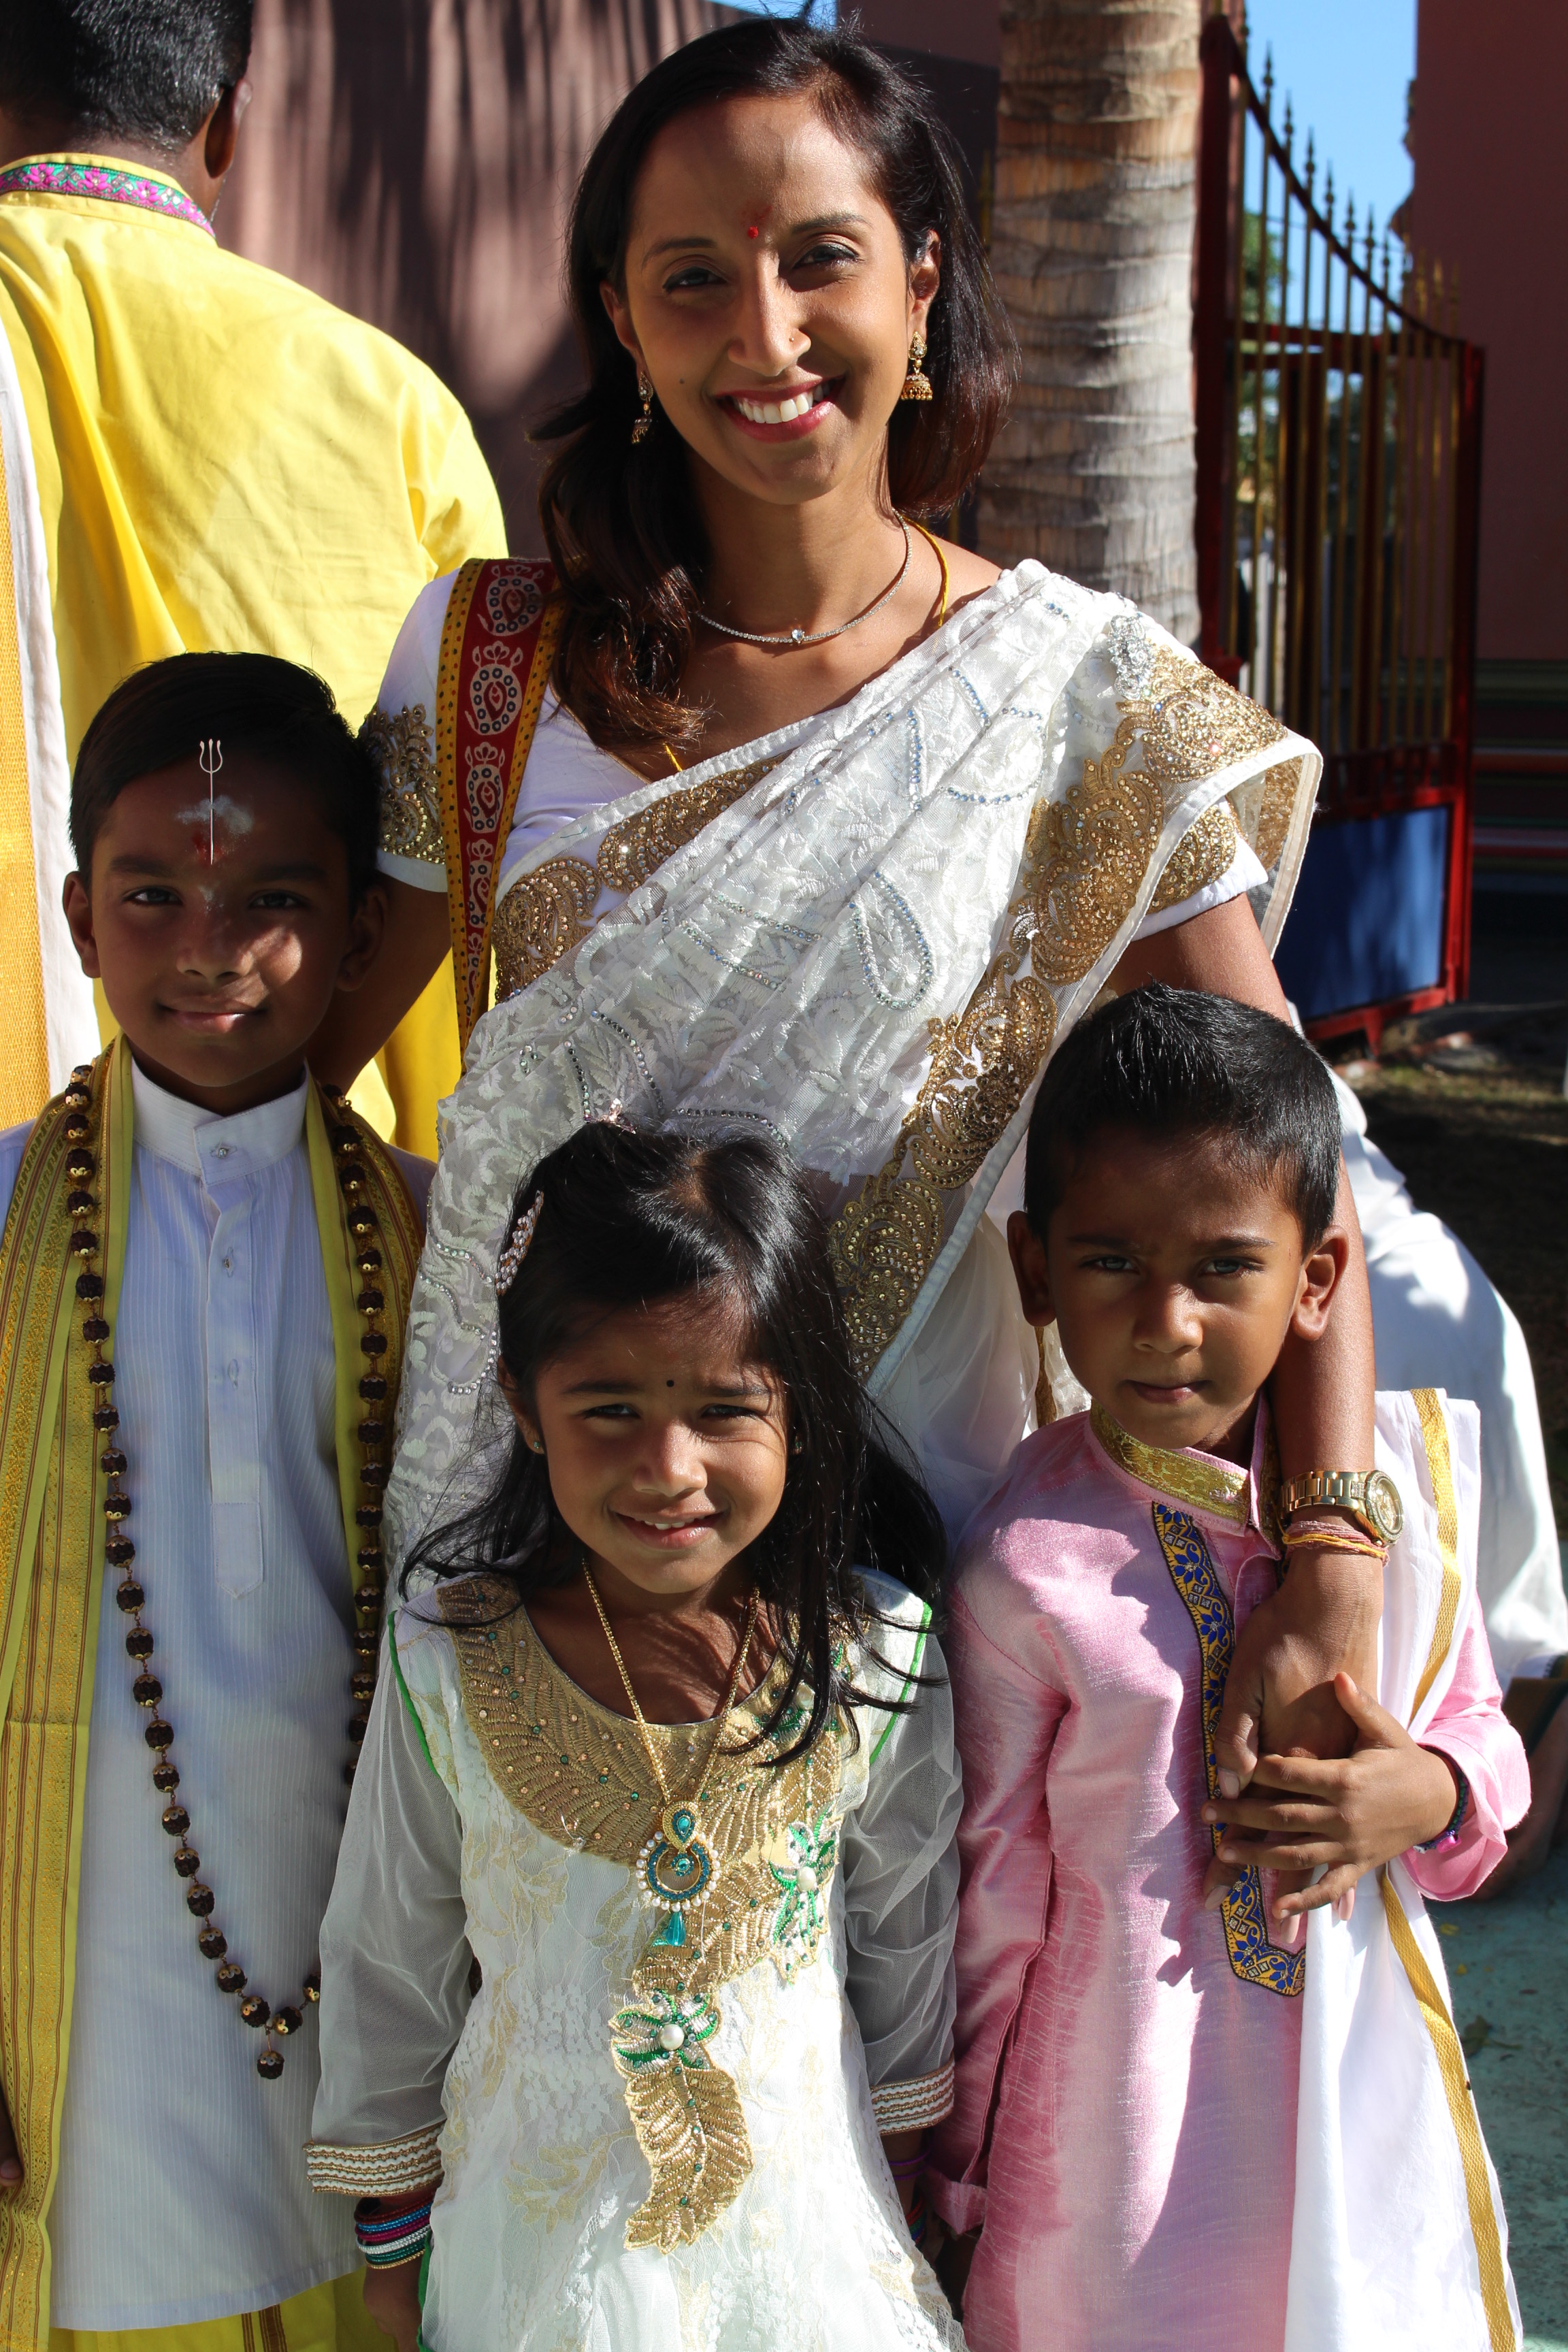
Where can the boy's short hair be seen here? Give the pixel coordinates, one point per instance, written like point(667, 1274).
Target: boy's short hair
point(1173, 1061)
point(253, 702)
point(151, 70)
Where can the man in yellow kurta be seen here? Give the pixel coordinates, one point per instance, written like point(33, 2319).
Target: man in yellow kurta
point(199, 455)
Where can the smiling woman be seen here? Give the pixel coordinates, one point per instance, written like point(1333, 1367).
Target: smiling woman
point(928, 811)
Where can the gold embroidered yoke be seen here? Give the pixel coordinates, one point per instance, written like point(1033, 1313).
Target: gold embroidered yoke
point(684, 2057)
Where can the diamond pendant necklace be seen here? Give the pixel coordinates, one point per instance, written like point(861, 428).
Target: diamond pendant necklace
point(820, 636)
point(678, 1869)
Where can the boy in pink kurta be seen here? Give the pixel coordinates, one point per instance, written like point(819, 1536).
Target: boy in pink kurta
point(1124, 2132)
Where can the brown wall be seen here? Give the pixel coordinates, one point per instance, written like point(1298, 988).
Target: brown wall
point(1491, 196)
point(412, 160)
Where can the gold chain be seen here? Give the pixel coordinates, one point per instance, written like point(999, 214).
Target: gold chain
point(718, 1720)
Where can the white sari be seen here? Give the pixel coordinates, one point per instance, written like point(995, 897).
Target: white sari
point(864, 935)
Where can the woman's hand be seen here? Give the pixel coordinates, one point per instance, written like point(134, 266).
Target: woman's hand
point(392, 2299)
point(1344, 1817)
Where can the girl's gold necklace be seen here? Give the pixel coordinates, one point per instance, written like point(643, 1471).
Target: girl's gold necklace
point(677, 1868)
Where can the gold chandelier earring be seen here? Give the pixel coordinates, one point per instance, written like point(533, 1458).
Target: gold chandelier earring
point(917, 384)
point(640, 428)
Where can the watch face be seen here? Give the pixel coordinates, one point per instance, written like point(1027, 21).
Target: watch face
point(1384, 1506)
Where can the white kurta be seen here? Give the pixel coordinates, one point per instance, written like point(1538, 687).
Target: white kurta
point(183, 2195)
point(1438, 1322)
point(541, 2168)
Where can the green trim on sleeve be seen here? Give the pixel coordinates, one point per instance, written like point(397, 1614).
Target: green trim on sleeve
point(910, 1673)
point(408, 1699)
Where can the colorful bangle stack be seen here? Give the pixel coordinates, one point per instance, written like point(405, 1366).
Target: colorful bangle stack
point(385, 2239)
point(910, 2168)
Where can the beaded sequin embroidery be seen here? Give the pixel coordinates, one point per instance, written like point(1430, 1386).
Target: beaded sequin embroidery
point(578, 1773)
point(49, 175)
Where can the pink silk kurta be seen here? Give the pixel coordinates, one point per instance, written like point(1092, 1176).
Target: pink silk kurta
point(1125, 2125)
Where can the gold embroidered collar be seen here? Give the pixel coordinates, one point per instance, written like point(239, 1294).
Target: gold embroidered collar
point(579, 1773)
point(1200, 1482)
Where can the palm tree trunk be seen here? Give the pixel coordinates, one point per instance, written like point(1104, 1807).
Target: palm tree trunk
point(1092, 245)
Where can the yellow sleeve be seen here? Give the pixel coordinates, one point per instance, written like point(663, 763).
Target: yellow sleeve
point(455, 507)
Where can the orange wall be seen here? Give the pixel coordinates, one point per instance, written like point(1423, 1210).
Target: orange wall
point(1491, 198)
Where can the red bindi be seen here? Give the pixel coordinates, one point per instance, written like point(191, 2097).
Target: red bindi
point(752, 232)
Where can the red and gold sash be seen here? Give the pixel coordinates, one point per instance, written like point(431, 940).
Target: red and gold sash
point(52, 1530)
point(497, 644)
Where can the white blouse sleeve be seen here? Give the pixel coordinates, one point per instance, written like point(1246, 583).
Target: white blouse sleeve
point(394, 1954)
point(401, 733)
point(899, 1864)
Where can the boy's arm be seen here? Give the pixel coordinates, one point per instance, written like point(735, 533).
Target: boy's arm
point(1442, 1803)
point(1006, 1723)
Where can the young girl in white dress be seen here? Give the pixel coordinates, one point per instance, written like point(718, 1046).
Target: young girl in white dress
point(637, 1978)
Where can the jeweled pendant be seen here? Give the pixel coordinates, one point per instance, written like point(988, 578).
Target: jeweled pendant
point(675, 1875)
point(673, 1931)
point(679, 1823)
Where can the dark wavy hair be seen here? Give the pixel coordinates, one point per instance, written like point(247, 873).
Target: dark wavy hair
point(627, 1219)
point(621, 522)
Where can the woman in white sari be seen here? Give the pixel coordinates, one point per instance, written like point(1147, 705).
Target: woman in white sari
point(925, 811)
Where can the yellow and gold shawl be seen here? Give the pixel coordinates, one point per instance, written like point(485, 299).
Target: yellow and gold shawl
point(51, 1567)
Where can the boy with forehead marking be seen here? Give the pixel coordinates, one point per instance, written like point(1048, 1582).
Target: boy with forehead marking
point(213, 1258)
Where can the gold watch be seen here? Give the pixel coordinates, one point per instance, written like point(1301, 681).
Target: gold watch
point(1370, 1496)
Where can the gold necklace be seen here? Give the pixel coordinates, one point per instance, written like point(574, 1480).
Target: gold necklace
point(677, 1868)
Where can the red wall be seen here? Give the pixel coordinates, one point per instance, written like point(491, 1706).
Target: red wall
point(1491, 196)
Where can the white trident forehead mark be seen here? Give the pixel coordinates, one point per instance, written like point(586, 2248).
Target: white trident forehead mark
point(209, 760)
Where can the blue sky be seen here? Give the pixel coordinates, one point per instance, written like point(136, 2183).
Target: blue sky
point(1346, 65)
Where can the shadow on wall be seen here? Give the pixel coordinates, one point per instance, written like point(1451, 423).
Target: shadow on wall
point(413, 161)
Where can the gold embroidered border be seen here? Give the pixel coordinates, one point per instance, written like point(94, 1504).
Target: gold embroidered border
point(1461, 2105)
point(547, 913)
point(411, 2162)
point(1205, 854)
point(1435, 1439)
point(581, 1776)
point(915, 2104)
point(1201, 1486)
point(399, 743)
point(1084, 861)
point(1280, 787)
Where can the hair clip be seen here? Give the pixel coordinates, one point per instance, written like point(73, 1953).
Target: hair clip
point(517, 1244)
point(613, 1115)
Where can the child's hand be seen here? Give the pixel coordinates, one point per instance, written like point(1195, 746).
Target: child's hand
point(392, 2299)
point(1346, 1815)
